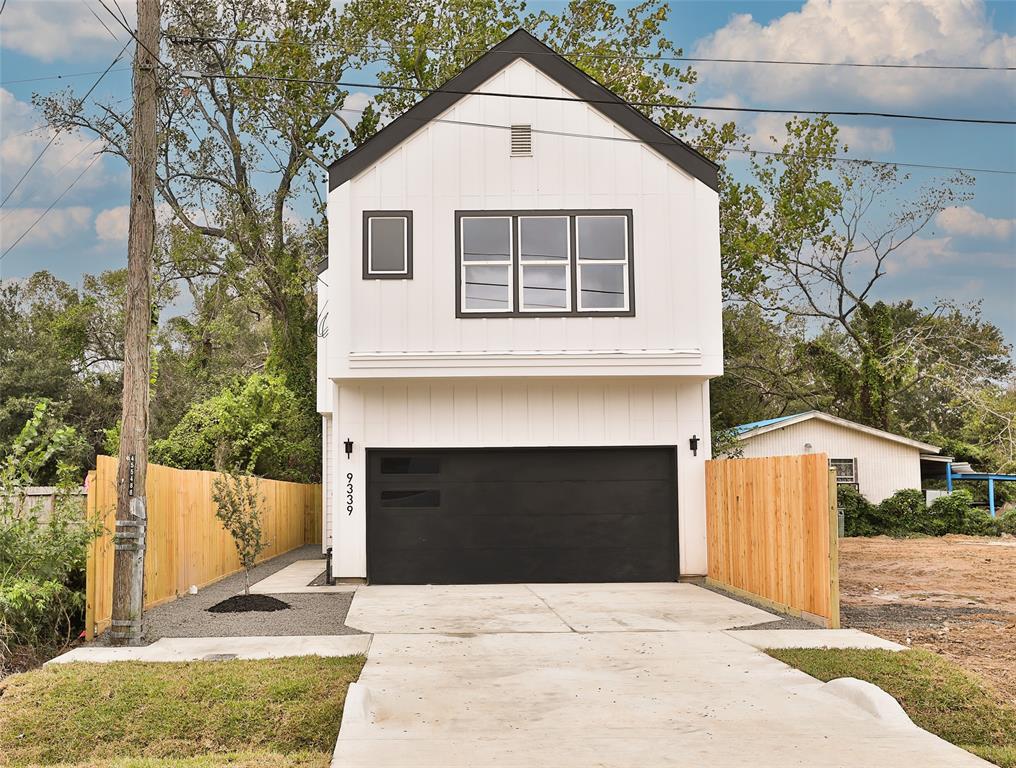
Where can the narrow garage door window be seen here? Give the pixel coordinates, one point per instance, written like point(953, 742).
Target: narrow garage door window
point(522, 515)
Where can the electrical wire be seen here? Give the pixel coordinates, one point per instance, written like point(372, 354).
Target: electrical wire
point(593, 54)
point(57, 133)
point(59, 77)
point(618, 102)
point(51, 206)
point(831, 158)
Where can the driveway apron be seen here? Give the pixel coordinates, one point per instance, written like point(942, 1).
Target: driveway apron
point(595, 675)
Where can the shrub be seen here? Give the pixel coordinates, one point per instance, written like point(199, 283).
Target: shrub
point(41, 560)
point(977, 522)
point(1007, 522)
point(904, 512)
point(239, 507)
point(948, 513)
point(858, 513)
point(257, 424)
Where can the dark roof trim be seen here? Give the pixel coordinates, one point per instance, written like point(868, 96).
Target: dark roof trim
point(522, 45)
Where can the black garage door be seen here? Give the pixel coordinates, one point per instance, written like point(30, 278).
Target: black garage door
point(517, 515)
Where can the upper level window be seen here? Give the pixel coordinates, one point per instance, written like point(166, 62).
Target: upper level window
point(387, 244)
point(545, 263)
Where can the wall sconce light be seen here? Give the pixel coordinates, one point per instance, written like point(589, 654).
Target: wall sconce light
point(349, 447)
point(693, 444)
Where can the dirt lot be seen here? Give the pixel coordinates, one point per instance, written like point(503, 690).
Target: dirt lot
point(955, 595)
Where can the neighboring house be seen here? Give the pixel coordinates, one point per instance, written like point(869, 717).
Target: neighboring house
point(520, 315)
point(877, 463)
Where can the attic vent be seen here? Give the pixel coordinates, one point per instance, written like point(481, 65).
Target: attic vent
point(522, 141)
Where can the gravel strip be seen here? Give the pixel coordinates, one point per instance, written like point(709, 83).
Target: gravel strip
point(187, 616)
point(785, 622)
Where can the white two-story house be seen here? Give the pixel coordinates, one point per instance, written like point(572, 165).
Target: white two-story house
point(520, 315)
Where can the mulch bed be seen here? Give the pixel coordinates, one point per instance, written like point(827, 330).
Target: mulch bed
point(244, 603)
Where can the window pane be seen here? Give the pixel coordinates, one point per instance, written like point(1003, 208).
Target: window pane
point(844, 469)
point(410, 465)
point(429, 498)
point(602, 286)
point(544, 288)
point(601, 237)
point(543, 238)
point(486, 239)
point(486, 288)
point(388, 245)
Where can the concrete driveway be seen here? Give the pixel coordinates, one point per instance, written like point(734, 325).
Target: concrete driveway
point(595, 675)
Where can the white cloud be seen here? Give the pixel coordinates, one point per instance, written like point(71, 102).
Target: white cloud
point(56, 227)
point(113, 224)
point(770, 132)
point(61, 29)
point(68, 156)
point(910, 32)
point(964, 220)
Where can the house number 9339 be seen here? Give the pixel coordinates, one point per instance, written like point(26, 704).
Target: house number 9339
point(349, 493)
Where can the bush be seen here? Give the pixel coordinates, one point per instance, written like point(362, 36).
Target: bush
point(1007, 522)
point(977, 522)
point(257, 424)
point(905, 513)
point(948, 513)
point(859, 517)
point(41, 561)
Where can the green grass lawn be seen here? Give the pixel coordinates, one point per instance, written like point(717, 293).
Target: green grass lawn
point(938, 695)
point(244, 714)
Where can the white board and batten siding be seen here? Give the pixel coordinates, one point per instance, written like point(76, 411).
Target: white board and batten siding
point(398, 369)
point(470, 413)
point(392, 328)
point(883, 466)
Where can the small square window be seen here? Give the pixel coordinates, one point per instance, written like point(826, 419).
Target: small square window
point(846, 470)
point(387, 245)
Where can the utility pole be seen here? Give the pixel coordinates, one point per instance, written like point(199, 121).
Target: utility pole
point(131, 506)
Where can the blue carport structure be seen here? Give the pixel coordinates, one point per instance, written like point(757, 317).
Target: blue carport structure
point(991, 477)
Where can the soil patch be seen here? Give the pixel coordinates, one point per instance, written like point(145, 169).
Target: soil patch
point(244, 603)
point(954, 595)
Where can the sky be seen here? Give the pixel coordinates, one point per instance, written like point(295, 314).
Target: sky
point(967, 254)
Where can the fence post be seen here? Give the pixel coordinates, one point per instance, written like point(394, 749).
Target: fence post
point(834, 553)
point(90, 518)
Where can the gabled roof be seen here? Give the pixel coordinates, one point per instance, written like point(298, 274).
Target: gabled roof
point(522, 45)
point(756, 428)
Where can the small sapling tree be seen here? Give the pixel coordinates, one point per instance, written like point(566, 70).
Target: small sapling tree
point(240, 508)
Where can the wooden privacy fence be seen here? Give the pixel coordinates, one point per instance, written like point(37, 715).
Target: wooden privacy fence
point(186, 543)
point(772, 533)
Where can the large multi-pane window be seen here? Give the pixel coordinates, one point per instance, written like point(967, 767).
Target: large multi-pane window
point(544, 263)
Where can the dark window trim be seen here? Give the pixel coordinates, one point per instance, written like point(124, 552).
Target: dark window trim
point(408, 274)
point(571, 213)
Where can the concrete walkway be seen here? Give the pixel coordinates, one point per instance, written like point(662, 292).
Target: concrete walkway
point(595, 675)
point(220, 648)
point(295, 579)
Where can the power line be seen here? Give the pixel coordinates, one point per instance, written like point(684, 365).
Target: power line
point(92, 11)
point(57, 133)
point(67, 162)
point(831, 158)
point(60, 77)
point(596, 55)
point(130, 31)
point(650, 104)
point(51, 206)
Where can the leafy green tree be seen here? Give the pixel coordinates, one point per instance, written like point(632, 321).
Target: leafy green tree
point(60, 345)
point(245, 127)
point(257, 424)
